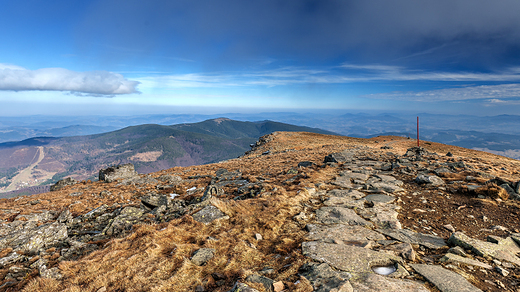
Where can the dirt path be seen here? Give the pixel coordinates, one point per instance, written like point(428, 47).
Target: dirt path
point(25, 175)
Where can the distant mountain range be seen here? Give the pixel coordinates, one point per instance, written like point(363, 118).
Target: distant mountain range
point(151, 147)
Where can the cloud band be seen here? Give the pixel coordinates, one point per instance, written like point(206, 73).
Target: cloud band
point(59, 79)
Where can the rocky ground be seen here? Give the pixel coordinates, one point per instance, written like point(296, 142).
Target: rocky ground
point(300, 212)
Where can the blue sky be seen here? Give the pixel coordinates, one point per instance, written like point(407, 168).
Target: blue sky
point(139, 57)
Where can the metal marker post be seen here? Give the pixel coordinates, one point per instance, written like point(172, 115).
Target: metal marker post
point(418, 132)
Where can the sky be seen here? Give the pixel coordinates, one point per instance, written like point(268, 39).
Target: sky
point(130, 57)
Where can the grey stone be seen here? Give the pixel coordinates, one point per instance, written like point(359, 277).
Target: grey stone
point(124, 171)
point(378, 283)
point(266, 282)
point(453, 258)
point(124, 222)
point(153, 201)
point(95, 212)
point(432, 180)
point(201, 256)
point(69, 181)
point(330, 215)
point(324, 278)
point(505, 250)
point(34, 239)
point(352, 259)
point(409, 236)
point(341, 157)
point(445, 280)
point(209, 214)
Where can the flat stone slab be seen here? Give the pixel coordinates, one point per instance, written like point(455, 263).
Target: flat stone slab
point(344, 233)
point(409, 236)
point(453, 258)
point(386, 187)
point(331, 215)
point(380, 198)
point(378, 283)
point(352, 259)
point(445, 280)
point(344, 202)
point(504, 250)
point(354, 175)
point(351, 194)
point(342, 181)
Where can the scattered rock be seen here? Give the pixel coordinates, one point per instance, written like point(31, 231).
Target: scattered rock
point(505, 250)
point(201, 256)
point(453, 258)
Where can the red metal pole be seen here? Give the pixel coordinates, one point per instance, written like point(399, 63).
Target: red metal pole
point(418, 132)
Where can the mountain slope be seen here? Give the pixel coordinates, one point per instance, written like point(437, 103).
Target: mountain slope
point(149, 147)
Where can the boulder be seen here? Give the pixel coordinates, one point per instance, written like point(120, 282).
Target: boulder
point(431, 180)
point(124, 171)
point(69, 181)
point(32, 240)
point(123, 222)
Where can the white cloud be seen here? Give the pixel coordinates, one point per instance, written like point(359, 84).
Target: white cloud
point(493, 94)
point(59, 79)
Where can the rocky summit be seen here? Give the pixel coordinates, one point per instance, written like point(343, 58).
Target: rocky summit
point(299, 212)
